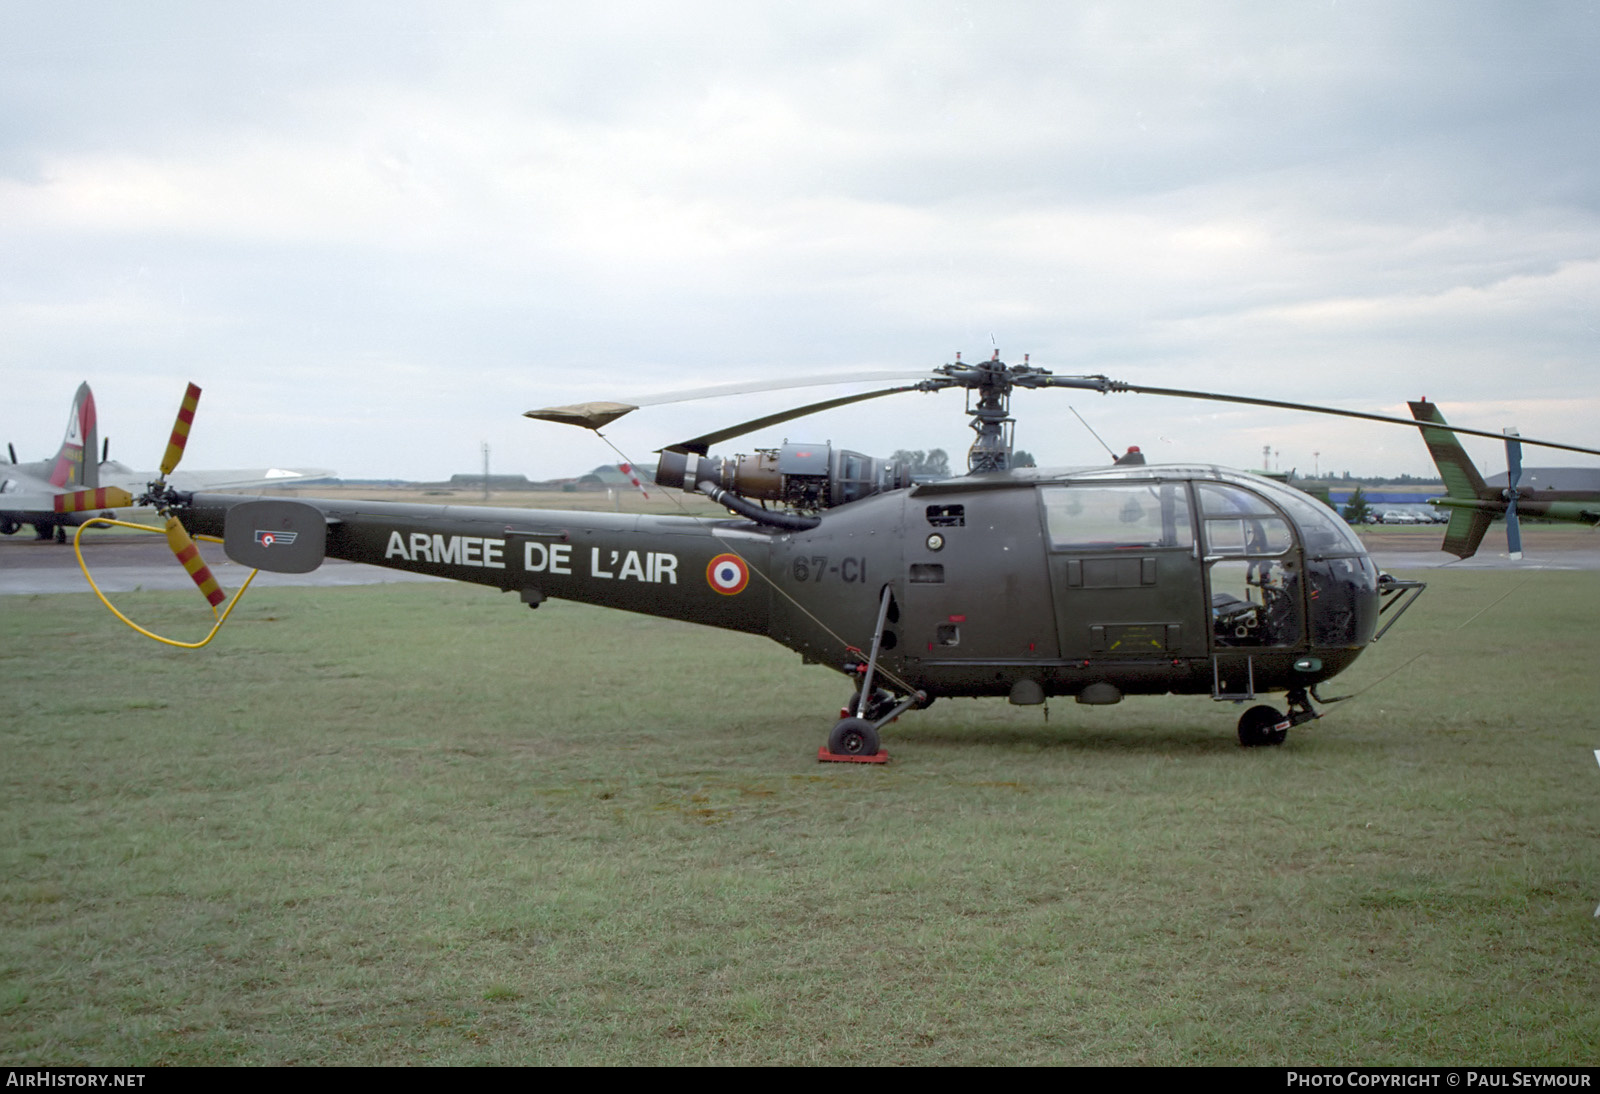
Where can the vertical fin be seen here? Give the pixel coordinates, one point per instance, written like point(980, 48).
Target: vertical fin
point(1461, 478)
point(75, 463)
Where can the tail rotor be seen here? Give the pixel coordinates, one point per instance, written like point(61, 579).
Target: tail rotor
point(178, 538)
point(167, 502)
point(1513, 476)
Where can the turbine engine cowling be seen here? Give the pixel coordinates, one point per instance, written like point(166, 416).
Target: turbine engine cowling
point(801, 476)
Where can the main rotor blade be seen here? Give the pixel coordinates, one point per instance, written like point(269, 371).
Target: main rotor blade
point(1106, 386)
point(745, 387)
point(598, 415)
point(700, 445)
point(180, 430)
point(588, 415)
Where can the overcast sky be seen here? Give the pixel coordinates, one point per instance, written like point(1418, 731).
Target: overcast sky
point(375, 233)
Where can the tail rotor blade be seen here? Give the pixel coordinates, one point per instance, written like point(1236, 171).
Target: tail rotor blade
point(1513, 476)
point(188, 554)
point(180, 430)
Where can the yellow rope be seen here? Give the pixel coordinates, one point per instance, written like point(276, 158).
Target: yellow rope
point(77, 546)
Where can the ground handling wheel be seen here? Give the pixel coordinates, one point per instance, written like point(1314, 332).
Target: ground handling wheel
point(853, 740)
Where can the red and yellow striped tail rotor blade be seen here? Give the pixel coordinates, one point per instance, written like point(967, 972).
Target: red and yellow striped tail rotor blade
point(188, 554)
point(180, 430)
point(110, 497)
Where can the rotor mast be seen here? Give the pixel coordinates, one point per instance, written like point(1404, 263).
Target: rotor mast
point(988, 386)
point(989, 403)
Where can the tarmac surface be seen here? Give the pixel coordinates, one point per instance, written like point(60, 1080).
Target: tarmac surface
point(129, 562)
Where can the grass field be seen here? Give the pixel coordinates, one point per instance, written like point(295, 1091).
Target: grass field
point(421, 824)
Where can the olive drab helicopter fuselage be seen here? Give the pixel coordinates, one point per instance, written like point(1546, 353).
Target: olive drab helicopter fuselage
point(1097, 583)
point(1025, 584)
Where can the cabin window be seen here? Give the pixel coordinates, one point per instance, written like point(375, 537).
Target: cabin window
point(1255, 603)
point(947, 516)
point(1323, 531)
point(1342, 593)
point(1241, 523)
point(1119, 517)
point(1254, 580)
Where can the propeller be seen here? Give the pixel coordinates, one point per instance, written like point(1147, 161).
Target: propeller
point(1513, 476)
point(80, 501)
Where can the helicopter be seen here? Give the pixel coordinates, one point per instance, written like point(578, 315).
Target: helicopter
point(1097, 583)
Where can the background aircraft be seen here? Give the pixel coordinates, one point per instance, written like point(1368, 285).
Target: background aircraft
point(1553, 493)
point(71, 486)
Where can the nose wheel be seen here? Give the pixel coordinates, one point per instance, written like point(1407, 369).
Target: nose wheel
point(1264, 725)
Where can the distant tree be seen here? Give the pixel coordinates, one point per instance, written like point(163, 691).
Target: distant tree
point(1023, 458)
point(934, 463)
point(1356, 511)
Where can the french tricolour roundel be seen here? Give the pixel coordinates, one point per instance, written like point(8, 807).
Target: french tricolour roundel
point(727, 574)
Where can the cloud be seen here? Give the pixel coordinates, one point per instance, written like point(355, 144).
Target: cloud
point(377, 232)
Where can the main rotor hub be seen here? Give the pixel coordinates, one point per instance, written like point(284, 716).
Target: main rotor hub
point(988, 385)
